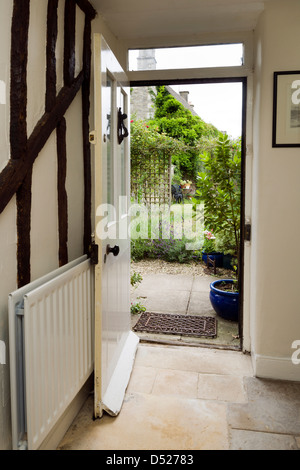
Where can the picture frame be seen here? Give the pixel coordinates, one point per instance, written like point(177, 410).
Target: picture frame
point(286, 109)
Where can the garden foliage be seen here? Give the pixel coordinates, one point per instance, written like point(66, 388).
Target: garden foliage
point(200, 154)
point(174, 120)
point(151, 153)
point(219, 187)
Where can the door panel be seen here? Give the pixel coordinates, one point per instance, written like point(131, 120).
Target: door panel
point(115, 344)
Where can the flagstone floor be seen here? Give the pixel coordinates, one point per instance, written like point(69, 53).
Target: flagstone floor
point(193, 398)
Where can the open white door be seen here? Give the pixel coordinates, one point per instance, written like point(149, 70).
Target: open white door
point(115, 343)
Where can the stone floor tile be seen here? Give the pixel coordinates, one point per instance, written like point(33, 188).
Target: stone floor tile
point(252, 440)
point(221, 388)
point(195, 359)
point(273, 406)
point(148, 422)
point(176, 382)
point(142, 379)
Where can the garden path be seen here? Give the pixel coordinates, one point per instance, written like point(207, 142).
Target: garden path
point(180, 289)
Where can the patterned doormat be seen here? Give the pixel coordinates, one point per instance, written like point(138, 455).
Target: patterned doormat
point(186, 325)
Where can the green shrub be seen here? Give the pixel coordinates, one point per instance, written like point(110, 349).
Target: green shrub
point(139, 249)
point(136, 308)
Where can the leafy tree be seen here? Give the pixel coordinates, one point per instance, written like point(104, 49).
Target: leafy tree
point(174, 120)
point(219, 187)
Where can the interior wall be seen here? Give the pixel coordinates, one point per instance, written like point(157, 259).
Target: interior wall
point(8, 241)
point(44, 210)
point(275, 315)
point(74, 179)
point(44, 229)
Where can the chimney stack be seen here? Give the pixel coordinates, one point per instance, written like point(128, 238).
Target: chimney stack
point(184, 95)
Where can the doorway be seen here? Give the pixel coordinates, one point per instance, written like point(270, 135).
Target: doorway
point(189, 90)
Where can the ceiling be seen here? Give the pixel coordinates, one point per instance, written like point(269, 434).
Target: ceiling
point(141, 22)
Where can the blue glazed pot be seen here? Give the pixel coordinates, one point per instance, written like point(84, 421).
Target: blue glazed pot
point(216, 255)
point(225, 304)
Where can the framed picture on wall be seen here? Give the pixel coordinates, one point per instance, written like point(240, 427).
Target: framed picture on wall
point(286, 109)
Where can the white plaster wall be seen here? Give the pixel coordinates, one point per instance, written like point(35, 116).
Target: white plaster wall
point(75, 179)
point(80, 21)
point(60, 46)
point(5, 26)
point(7, 226)
point(36, 68)
point(275, 314)
point(44, 211)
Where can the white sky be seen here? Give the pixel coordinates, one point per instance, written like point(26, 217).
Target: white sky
point(218, 104)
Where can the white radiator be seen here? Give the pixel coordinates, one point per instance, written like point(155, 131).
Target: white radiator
point(51, 349)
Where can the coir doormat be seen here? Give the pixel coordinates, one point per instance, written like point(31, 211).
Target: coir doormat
point(172, 324)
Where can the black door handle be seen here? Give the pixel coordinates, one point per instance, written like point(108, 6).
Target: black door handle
point(115, 250)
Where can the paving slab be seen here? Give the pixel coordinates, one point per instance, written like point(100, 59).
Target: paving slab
point(252, 440)
point(184, 295)
point(173, 282)
point(202, 283)
point(273, 407)
point(199, 304)
point(163, 301)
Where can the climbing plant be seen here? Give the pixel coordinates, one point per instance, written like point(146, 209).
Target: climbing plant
point(151, 155)
point(176, 121)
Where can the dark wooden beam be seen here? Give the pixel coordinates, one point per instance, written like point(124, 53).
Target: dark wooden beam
point(23, 230)
point(18, 133)
point(87, 52)
point(15, 171)
point(69, 50)
point(50, 54)
point(18, 78)
point(87, 8)
point(62, 193)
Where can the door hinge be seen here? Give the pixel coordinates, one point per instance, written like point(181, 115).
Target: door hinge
point(247, 232)
point(94, 253)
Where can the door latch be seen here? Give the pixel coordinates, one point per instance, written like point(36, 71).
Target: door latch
point(247, 232)
point(92, 137)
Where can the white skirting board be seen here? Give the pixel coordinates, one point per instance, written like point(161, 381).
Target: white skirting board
point(114, 395)
point(276, 368)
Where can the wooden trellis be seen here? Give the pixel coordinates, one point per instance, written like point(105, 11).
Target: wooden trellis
point(151, 178)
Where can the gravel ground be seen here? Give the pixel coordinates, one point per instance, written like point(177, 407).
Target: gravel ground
point(153, 266)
